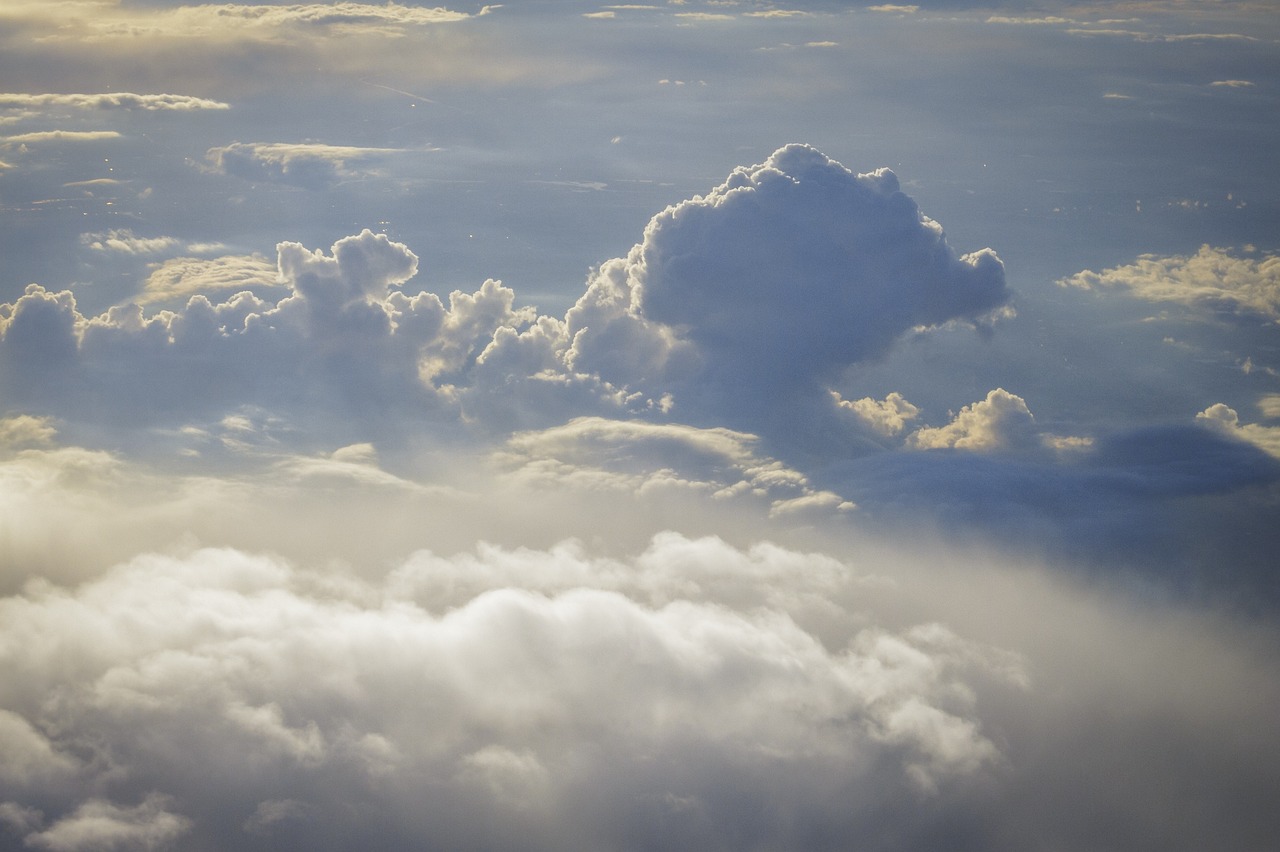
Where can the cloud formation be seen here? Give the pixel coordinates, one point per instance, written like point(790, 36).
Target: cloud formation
point(1211, 278)
point(108, 100)
point(310, 165)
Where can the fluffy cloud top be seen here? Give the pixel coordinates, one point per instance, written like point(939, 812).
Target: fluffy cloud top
point(788, 271)
point(1002, 421)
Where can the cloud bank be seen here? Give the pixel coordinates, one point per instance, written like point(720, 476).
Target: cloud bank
point(327, 559)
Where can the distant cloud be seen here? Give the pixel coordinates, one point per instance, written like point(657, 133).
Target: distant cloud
point(42, 136)
point(703, 16)
point(886, 417)
point(224, 20)
point(1225, 419)
point(110, 100)
point(1212, 278)
point(1233, 84)
point(1002, 421)
point(894, 9)
point(1142, 36)
point(179, 278)
point(124, 241)
point(1051, 20)
point(655, 458)
point(305, 164)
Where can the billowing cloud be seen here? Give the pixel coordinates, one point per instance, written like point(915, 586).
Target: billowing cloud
point(1226, 420)
point(1211, 278)
point(1002, 421)
point(574, 697)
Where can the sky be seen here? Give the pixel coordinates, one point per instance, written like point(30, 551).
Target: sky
point(698, 425)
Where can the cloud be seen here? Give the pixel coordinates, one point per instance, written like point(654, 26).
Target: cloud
point(309, 165)
point(108, 100)
point(771, 284)
point(1233, 84)
point(518, 704)
point(124, 241)
point(1225, 420)
point(42, 136)
point(1002, 421)
point(651, 458)
point(886, 417)
point(99, 824)
point(1212, 278)
point(179, 278)
point(234, 20)
point(578, 696)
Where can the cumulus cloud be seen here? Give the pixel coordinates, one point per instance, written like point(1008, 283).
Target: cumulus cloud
point(1225, 420)
point(1212, 278)
point(769, 286)
point(886, 417)
point(517, 708)
point(1002, 421)
point(563, 698)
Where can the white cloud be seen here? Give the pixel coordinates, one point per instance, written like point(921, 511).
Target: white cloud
point(886, 417)
point(237, 678)
point(42, 136)
point(223, 21)
point(1211, 278)
point(1225, 420)
point(108, 100)
point(658, 459)
point(125, 241)
point(1002, 421)
point(311, 165)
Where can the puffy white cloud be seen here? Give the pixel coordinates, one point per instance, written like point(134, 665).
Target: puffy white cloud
point(1211, 278)
point(796, 267)
point(761, 291)
point(243, 694)
point(1225, 420)
point(1002, 421)
point(886, 417)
